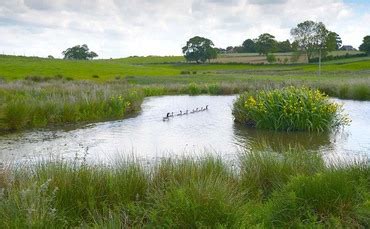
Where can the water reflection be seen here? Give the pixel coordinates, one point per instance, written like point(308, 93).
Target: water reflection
point(211, 131)
point(278, 141)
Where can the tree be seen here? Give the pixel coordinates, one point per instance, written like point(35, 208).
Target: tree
point(249, 46)
point(265, 43)
point(284, 46)
point(365, 46)
point(79, 53)
point(333, 41)
point(311, 36)
point(199, 49)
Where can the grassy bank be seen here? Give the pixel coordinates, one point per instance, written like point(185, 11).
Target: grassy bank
point(35, 105)
point(265, 189)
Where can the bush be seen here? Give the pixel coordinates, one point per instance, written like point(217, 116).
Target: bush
point(289, 109)
point(185, 72)
point(271, 58)
point(194, 89)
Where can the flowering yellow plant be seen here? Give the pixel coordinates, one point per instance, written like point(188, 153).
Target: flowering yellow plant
point(289, 109)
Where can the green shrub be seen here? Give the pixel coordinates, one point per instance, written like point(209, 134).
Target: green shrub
point(361, 92)
point(194, 89)
point(271, 58)
point(289, 109)
point(185, 72)
point(214, 89)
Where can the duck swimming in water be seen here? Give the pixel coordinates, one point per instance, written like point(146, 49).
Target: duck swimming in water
point(167, 117)
point(179, 114)
point(206, 107)
point(186, 112)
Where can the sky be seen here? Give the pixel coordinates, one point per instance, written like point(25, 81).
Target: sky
point(120, 28)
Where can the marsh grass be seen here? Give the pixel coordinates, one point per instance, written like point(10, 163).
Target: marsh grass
point(35, 105)
point(267, 189)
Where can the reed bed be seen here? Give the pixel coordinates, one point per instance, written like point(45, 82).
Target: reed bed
point(293, 188)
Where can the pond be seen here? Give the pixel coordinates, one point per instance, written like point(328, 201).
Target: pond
point(212, 131)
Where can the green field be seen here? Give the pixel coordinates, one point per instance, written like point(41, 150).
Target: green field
point(170, 68)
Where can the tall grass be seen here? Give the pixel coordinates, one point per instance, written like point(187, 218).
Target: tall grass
point(267, 189)
point(33, 105)
point(289, 109)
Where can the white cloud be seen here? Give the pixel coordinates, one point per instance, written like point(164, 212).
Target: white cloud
point(116, 28)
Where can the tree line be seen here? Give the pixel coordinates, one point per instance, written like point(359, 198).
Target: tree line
point(311, 38)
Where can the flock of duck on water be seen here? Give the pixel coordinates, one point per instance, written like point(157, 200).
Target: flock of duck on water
point(170, 114)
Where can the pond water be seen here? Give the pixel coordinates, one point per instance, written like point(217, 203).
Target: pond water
point(212, 131)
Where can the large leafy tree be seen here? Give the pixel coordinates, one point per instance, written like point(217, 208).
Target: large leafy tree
point(333, 41)
point(79, 52)
point(265, 43)
point(284, 46)
point(311, 36)
point(365, 46)
point(249, 46)
point(199, 49)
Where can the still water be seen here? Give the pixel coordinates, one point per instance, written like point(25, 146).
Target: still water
point(208, 132)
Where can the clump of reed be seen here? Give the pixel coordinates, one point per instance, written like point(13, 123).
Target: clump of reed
point(293, 188)
point(289, 109)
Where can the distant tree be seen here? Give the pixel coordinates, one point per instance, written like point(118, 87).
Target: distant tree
point(365, 46)
point(199, 49)
point(265, 44)
point(333, 41)
point(249, 46)
point(284, 46)
point(50, 57)
point(79, 53)
point(229, 49)
point(311, 37)
point(220, 50)
point(239, 49)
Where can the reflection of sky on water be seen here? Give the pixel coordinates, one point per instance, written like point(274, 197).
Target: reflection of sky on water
point(211, 131)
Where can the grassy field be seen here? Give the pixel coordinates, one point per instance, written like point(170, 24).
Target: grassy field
point(37, 92)
point(265, 189)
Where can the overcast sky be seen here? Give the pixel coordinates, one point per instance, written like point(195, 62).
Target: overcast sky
point(119, 28)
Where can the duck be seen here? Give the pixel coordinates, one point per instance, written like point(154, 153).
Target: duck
point(186, 112)
point(197, 110)
point(179, 114)
point(167, 117)
point(171, 115)
point(206, 107)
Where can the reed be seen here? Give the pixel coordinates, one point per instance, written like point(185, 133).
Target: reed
point(266, 189)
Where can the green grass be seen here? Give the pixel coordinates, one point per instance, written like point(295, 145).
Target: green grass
point(39, 92)
point(293, 188)
point(36, 105)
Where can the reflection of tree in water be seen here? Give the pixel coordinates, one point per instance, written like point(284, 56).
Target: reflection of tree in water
point(278, 141)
